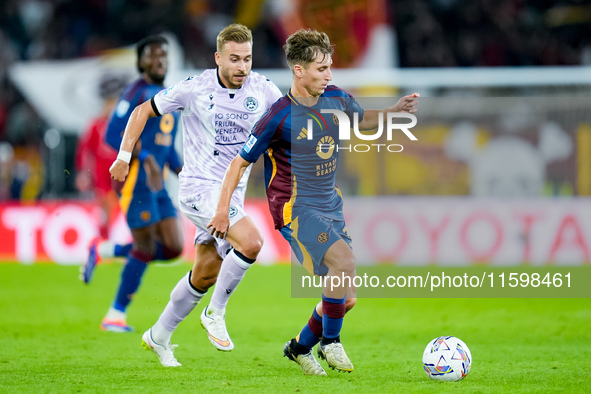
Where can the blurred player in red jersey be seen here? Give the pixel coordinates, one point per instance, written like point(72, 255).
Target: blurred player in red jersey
point(94, 156)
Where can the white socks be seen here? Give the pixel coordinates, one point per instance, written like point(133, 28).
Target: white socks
point(114, 314)
point(230, 276)
point(106, 249)
point(183, 299)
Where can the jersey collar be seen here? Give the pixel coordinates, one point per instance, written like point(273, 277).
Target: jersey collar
point(296, 102)
point(221, 84)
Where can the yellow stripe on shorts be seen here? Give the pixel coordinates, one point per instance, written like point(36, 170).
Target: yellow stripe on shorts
point(129, 186)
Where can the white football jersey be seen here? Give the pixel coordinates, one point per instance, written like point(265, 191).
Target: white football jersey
point(215, 125)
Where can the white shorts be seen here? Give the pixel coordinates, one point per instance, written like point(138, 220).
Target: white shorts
point(201, 207)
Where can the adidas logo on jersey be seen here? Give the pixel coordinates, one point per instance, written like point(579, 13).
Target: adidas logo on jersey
point(303, 134)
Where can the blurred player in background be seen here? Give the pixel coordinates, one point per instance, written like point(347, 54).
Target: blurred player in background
point(305, 203)
point(149, 211)
point(219, 108)
point(93, 158)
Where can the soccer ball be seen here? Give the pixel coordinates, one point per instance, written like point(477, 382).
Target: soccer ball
point(447, 359)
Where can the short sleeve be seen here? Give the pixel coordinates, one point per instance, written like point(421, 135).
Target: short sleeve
point(175, 97)
point(262, 133)
point(273, 93)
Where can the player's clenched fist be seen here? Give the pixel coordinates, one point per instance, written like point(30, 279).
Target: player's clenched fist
point(119, 170)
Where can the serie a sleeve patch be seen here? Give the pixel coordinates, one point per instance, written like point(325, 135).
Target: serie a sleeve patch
point(250, 143)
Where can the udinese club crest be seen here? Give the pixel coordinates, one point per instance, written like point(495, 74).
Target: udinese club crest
point(251, 104)
point(233, 211)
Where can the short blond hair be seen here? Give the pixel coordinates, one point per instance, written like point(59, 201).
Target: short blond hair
point(304, 46)
point(234, 33)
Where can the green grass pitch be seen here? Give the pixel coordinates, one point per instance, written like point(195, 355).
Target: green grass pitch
point(50, 339)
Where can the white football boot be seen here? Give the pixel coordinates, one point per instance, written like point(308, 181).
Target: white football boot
point(215, 325)
point(165, 353)
point(335, 356)
point(309, 365)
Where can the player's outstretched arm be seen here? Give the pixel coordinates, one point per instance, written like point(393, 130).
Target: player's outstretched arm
point(220, 223)
point(405, 104)
point(133, 130)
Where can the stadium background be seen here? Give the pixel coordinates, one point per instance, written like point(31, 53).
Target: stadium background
point(504, 86)
point(499, 176)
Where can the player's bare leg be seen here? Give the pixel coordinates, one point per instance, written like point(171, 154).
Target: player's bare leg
point(206, 266)
point(247, 242)
point(170, 239)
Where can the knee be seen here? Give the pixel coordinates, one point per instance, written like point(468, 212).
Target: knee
point(347, 266)
point(172, 250)
point(350, 303)
point(175, 251)
point(251, 247)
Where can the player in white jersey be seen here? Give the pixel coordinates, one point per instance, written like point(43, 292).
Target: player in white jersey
point(218, 110)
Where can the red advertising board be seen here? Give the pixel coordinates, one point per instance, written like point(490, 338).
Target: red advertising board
point(409, 231)
point(60, 231)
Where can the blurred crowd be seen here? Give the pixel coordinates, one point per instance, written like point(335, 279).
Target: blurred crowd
point(429, 33)
point(489, 33)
